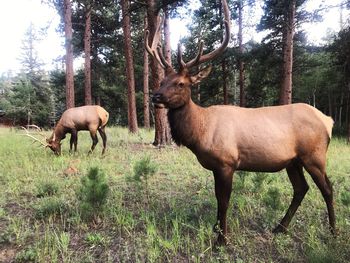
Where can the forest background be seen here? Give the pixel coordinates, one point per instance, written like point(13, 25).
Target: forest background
point(250, 74)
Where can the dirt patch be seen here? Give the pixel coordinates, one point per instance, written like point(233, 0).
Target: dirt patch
point(71, 170)
point(7, 254)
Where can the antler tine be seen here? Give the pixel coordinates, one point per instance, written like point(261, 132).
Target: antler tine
point(150, 50)
point(34, 126)
point(34, 138)
point(162, 58)
point(199, 59)
point(180, 61)
point(156, 48)
point(195, 61)
point(39, 130)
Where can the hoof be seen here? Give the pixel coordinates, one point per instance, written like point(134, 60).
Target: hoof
point(216, 228)
point(279, 229)
point(221, 241)
point(334, 232)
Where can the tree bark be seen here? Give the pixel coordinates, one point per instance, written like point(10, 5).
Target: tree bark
point(160, 119)
point(223, 63)
point(132, 117)
point(146, 117)
point(87, 50)
point(242, 100)
point(348, 112)
point(287, 42)
point(224, 80)
point(69, 54)
point(167, 55)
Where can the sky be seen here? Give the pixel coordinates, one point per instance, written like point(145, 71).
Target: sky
point(16, 16)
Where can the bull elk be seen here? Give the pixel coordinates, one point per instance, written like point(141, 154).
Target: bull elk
point(91, 118)
point(229, 138)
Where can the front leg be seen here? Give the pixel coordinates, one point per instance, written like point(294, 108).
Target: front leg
point(223, 188)
point(73, 140)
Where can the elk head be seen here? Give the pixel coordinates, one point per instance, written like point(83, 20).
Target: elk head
point(54, 145)
point(175, 88)
point(51, 143)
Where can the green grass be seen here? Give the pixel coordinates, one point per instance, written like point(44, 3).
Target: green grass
point(160, 207)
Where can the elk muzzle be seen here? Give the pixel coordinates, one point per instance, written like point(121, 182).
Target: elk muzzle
point(158, 100)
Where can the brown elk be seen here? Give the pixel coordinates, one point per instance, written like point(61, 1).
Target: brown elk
point(229, 138)
point(88, 118)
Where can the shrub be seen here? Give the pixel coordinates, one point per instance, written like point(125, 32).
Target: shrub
point(258, 180)
point(143, 169)
point(49, 206)
point(47, 188)
point(27, 255)
point(92, 194)
point(94, 239)
point(273, 198)
point(240, 183)
point(345, 198)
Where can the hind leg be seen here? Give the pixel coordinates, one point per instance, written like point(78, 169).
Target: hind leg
point(104, 138)
point(316, 168)
point(300, 187)
point(94, 140)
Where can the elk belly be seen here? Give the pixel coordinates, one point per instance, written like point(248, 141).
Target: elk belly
point(269, 158)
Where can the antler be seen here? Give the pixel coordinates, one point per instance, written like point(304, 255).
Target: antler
point(156, 47)
point(200, 58)
point(34, 138)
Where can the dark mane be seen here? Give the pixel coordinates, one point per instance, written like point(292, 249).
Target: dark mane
point(176, 133)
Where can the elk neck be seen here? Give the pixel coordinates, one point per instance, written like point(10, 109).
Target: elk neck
point(59, 132)
point(187, 124)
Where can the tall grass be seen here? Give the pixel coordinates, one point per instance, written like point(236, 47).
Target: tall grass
point(40, 216)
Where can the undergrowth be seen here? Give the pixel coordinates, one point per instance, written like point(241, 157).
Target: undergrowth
point(138, 203)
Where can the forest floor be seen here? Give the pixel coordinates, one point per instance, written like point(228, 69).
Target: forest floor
point(160, 206)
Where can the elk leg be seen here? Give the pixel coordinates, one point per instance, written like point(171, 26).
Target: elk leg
point(94, 140)
point(223, 188)
point(104, 138)
point(76, 142)
point(73, 140)
point(317, 171)
point(300, 188)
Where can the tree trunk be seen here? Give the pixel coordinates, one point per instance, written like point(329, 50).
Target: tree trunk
point(224, 80)
point(167, 55)
point(242, 101)
point(287, 42)
point(132, 117)
point(348, 112)
point(160, 119)
point(69, 54)
point(146, 117)
point(223, 63)
point(87, 50)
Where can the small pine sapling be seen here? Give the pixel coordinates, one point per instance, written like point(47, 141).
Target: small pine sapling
point(92, 194)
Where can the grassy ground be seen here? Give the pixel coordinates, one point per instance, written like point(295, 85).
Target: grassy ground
point(165, 215)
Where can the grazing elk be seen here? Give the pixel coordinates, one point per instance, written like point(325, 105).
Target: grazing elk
point(91, 118)
point(229, 138)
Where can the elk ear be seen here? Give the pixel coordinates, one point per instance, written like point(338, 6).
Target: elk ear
point(200, 75)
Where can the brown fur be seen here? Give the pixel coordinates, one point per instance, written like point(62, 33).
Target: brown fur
point(227, 138)
point(269, 139)
point(92, 118)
